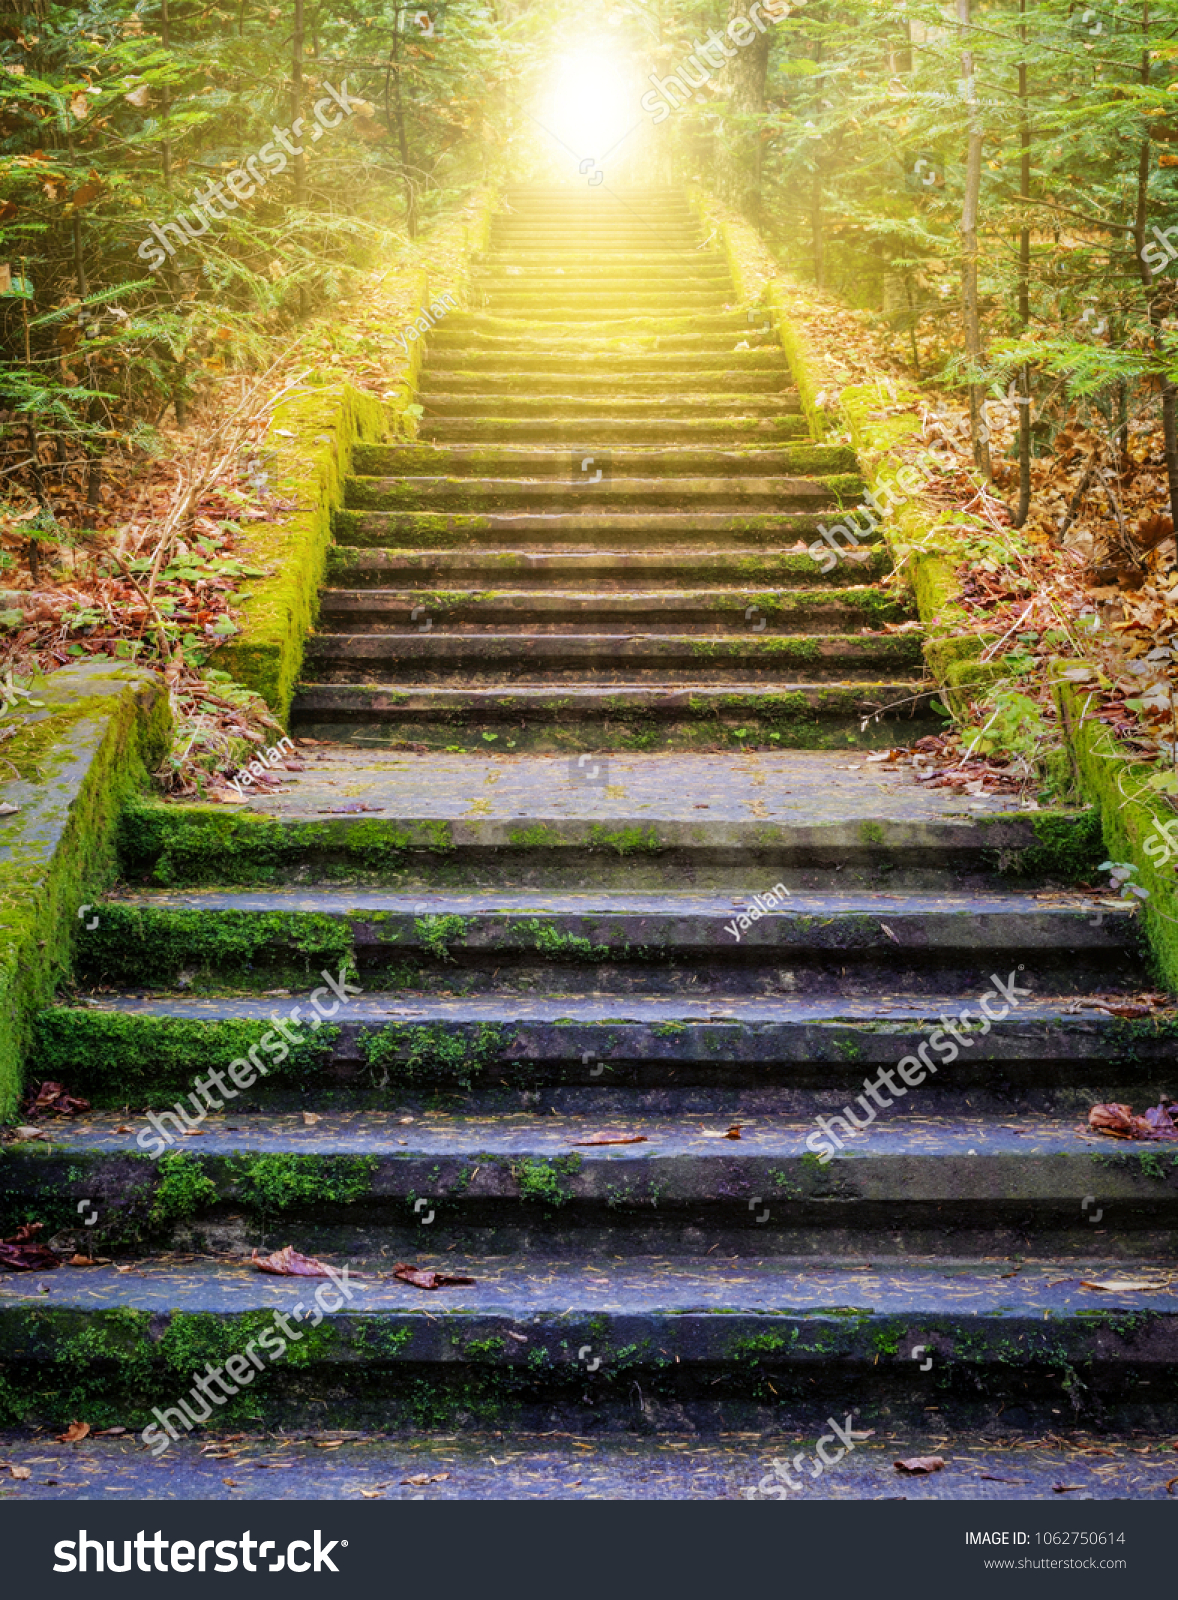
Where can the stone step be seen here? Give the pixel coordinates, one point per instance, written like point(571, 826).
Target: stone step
point(734, 410)
point(837, 946)
point(732, 1055)
point(525, 1184)
point(601, 1348)
point(699, 716)
point(573, 331)
point(558, 380)
point(481, 658)
point(555, 337)
point(605, 574)
point(819, 493)
point(633, 431)
point(603, 531)
point(613, 363)
point(736, 822)
point(520, 461)
point(546, 275)
point(721, 611)
point(570, 305)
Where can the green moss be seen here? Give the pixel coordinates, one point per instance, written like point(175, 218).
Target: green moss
point(625, 841)
point(149, 946)
point(182, 1191)
point(274, 1183)
point(430, 1057)
point(551, 941)
point(540, 1179)
point(436, 933)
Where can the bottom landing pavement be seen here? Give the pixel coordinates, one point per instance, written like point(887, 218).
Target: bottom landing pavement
point(1065, 1466)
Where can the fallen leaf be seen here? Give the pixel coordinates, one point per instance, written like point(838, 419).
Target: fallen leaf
point(347, 808)
point(310, 1118)
point(421, 1279)
point(20, 1472)
point(23, 1134)
point(81, 1261)
point(1118, 1122)
point(1065, 1488)
point(23, 1254)
point(1120, 1285)
point(419, 1479)
point(6, 810)
point(372, 1494)
point(55, 1097)
point(620, 1138)
point(288, 1263)
point(920, 1464)
point(75, 1432)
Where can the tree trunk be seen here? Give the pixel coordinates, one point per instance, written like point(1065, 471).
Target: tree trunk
point(1024, 287)
point(969, 248)
point(1156, 298)
point(740, 153)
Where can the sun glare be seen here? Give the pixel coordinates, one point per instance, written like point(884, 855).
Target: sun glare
point(588, 107)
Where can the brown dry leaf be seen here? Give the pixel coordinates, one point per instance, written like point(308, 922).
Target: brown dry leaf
point(21, 1472)
point(421, 1279)
point(288, 1263)
point(1118, 1122)
point(614, 1138)
point(310, 1118)
point(1066, 1488)
point(55, 1097)
point(22, 1135)
point(920, 1464)
point(74, 1433)
point(1120, 1285)
point(372, 1494)
point(419, 1479)
point(81, 1261)
point(22, 1252)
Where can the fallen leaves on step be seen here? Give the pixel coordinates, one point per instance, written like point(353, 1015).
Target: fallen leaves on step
point(22, 1252)
point(1118, 1121)
point(732, 1133)
point(348, 807)
point(55, 1098)
point(1122, 1285)
point(74, 1433)
point(22, 1135)
point(21, 1472)
point(422, 1279)
point(288, 1263)
point(1066, 1488)
point(918, 1465)
point(420, 1479)
point(310, 1118)
point(614, 1138)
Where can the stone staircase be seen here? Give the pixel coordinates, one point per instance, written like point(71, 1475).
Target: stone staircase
point(600, 539)
point(617, 916)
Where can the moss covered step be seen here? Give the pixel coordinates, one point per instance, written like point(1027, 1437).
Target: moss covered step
point(800, 610)
point(479, 657)
point(538, 1341)
point(560, 492)
point(686, 461)
point(558, 340)
point(609, 361)
point(603, 532)
point(678, 943)
point(481, 323)
point(700, 716)
point(735, 408)
point(589, 303)
point(611, 572)
point(653, 821)
point(604, 1055)
point(546, 277)
point(509, 1182)
point(616, 430)
point(735, 378)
